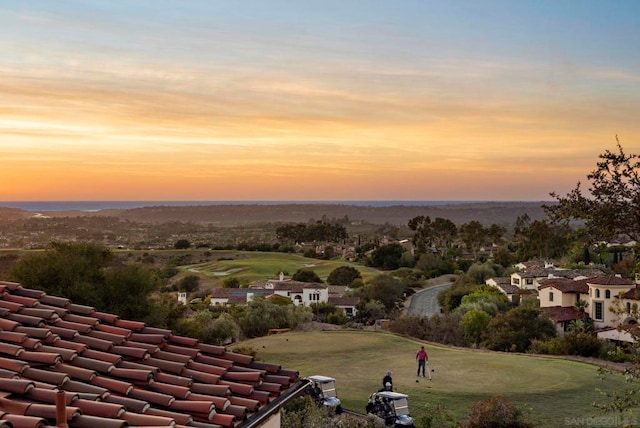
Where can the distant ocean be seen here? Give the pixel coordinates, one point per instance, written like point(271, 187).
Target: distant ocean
point(38, 206)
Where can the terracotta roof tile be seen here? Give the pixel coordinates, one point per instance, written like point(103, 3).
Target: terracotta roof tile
point(74, 372)
point(65, 333)
point(610, 280)
point(113, 330)
point(108, 318)
point(18, 421)
point(129, 351)
point(19, 386)
point(23, 300)
point(113, 385)
point(54, 301)
point(65, 354)
point(148, 346)
point(129, 403)
point(173, 379)
point(564, 313)
point(11, 306)
point(8, 325)
point(88, 421)
point(49, 395)
point(80, 309)
point(172, 356)
point(32, 344)
point(180, 418)
point(28, 292)
point(27, 320)
point(102, 356)
point(120, 372)
point(213, 361)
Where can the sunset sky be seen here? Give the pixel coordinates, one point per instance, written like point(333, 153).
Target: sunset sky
point(313, 99)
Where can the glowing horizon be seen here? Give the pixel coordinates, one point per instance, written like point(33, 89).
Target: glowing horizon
point(251, 100)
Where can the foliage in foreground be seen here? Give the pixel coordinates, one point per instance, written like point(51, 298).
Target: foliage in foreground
point(304, 413)
point(495, 412)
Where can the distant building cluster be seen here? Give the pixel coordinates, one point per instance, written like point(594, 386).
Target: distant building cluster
point(568, 295)
point(300, 293)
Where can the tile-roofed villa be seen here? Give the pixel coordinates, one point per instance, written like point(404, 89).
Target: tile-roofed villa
point(107, 372)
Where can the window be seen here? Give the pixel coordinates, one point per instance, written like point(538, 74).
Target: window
point(628, 307)
point(551, 296)
point(598, 311)
point(607, 294)
point(597, 293)
point(529, 281)
point(314, 297)
point(516, 281)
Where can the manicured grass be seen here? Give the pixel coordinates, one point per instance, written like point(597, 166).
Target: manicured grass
point(252, 266)
point(549, 390)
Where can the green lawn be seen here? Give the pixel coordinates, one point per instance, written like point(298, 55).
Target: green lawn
point(548, 390)
point(251, 266)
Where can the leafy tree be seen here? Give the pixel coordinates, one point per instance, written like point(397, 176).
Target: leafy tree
point(482, 271)
point(260, 315)
point(473, 325)
point(182, 244)
point(72, 270)
point(125, 291)
point(612, 205)
point(222, 330)
point(189, 283)
point(434, 265)
point(371, 310)
point(473, 234)
point(306, 275)
point(385, 289)
point(514, 330)
point(166, 311)
point(540, 238)
point(439, 233)
point(231, 282)
point(487, 293)
point(450, 298)
point(317, 231)
point(387, 257)
point(504, 257)
point(322, 310)
point(343, 275)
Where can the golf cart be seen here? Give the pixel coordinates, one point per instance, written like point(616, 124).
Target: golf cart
point(323, 392)
point(391, 408)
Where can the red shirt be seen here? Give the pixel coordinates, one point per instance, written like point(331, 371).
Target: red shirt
point(421, 355)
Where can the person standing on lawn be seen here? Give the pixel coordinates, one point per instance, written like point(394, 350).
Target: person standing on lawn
point(422, 358)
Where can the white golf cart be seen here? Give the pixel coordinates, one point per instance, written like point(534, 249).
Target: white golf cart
point(323, 392)
point(391, 408)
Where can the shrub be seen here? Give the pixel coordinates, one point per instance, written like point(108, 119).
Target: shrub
point(495, 412)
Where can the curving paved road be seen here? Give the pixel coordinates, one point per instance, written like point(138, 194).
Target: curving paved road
point(425, 302)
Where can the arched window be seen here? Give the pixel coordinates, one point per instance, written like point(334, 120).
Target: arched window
point(607, 294)
point(597, 293)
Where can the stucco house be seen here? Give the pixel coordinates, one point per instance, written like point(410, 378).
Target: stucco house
point(611, 302)
point(300, 293)
point(503, 284)
point(529, 279)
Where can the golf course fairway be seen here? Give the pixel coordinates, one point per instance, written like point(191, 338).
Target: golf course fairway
point(552, 392)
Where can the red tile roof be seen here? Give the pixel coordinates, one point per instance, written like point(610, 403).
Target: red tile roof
point(564, 313)
point(610, 280)
point(565, 285)
point(119, 373)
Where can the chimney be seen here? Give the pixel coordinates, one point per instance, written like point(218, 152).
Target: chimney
point(61, 410)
